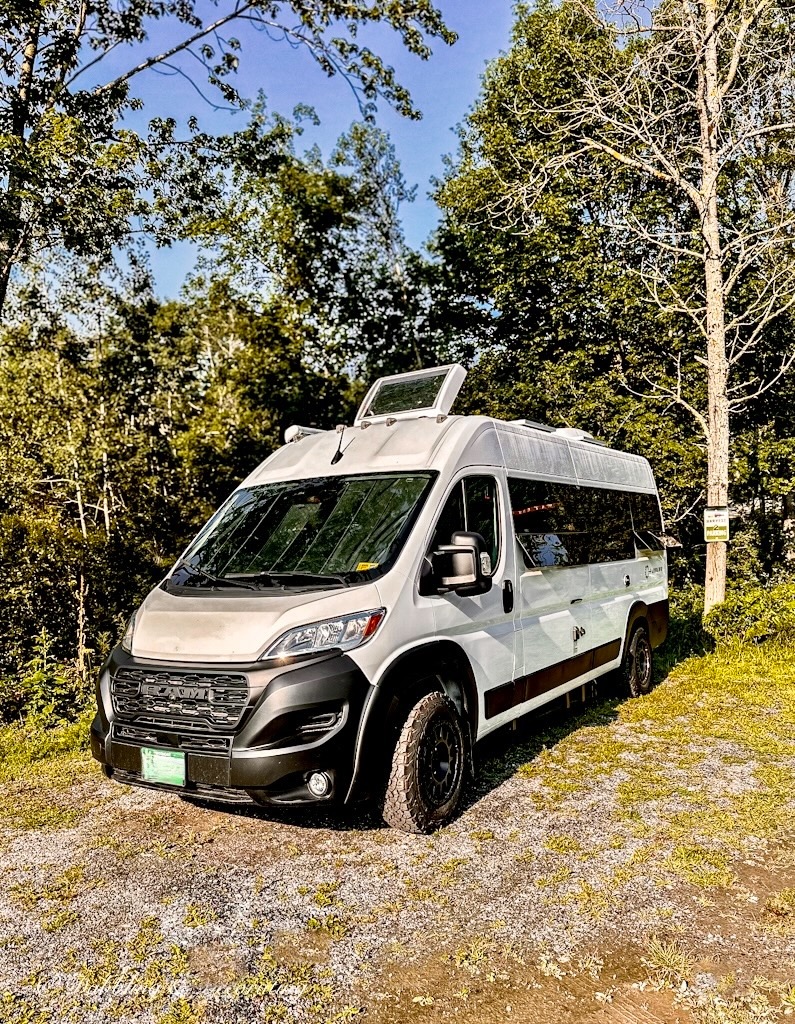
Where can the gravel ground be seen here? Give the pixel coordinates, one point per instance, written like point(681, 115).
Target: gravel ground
point(598, 872)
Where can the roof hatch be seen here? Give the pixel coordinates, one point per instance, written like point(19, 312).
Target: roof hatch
point(428, 392)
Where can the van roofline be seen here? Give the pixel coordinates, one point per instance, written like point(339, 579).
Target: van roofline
point(449, 443)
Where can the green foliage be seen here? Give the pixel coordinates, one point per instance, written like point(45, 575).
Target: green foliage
point(754, 615)
point(76, 176)
point(574, 336)
point(327, 238)
point(155, 411)
point(52, 692)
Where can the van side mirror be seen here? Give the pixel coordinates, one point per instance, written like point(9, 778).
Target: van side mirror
point(462, 566)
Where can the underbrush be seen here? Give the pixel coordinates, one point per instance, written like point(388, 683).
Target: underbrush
point(751, 615)
point(45, 714)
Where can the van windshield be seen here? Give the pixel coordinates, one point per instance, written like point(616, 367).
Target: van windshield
point(327, 531)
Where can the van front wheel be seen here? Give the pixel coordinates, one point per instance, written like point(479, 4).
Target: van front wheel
point(427, 773)
point(636, 665)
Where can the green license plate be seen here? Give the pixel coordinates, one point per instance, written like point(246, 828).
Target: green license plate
point(166, 766)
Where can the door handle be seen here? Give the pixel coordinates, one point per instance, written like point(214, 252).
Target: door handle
point(507, 596)
point(576, 600)
point(627, 580)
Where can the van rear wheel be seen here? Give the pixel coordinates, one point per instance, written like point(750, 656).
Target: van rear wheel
point(428, 767)
point(636, 665)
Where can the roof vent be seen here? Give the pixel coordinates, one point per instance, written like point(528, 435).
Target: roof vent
point(536, 426)
point(575, 434)
point(420, 393)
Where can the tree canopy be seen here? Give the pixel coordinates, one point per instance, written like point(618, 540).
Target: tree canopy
point(74, 174)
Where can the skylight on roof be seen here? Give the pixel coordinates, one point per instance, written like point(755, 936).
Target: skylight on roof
point(428, 392)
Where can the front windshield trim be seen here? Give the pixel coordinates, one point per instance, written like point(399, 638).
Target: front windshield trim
point(202, 569)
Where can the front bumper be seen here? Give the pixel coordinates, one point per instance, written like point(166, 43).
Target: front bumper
point(258, 742)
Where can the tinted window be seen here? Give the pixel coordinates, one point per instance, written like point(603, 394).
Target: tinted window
point(647, 522)
point(610, 524)
point(471, 506)
point(561, 524)
point(480, 496)
point(550, 523)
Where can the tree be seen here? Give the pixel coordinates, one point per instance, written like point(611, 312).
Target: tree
point(327, 237)
point(691, 101)
point(72, 175)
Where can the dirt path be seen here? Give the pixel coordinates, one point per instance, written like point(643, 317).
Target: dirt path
point(636, 868)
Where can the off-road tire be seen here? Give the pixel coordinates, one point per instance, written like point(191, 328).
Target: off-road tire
point(636, 664)
point(419, 799)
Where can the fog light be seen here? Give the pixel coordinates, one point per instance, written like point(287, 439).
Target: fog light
point(319, 784)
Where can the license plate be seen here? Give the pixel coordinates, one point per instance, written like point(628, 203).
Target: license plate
point(167, 766)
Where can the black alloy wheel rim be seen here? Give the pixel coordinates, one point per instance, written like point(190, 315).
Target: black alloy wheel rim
point(642, 662)
point(439, 761)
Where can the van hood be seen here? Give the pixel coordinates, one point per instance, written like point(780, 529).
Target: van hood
point(230, 627)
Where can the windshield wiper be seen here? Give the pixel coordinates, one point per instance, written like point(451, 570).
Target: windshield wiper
point(298, 578)
point(218, 581)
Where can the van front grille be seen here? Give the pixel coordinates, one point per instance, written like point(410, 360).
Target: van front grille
point(180, 700)
point(157, 736)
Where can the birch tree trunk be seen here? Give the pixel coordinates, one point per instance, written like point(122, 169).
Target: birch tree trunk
point(709, 103)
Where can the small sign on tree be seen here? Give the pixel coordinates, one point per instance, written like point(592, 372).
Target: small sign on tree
point(716, 523)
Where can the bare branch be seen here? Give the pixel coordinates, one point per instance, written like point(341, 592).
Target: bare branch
point(179, 47)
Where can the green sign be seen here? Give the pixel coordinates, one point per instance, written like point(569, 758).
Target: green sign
point(716, 523)
point(166, 766)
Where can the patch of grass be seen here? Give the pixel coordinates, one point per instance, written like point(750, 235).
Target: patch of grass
point(325, 894)
point(182, 1011)
point(732, 710)
point(474, 955)
point(61, 888)
point(197, 916)
point(562, 844)
point(557, 877)
point(38, 767)
point(668, 962)
point(100, 967)
point(273, 988)
point(702, 867)
point(331, 924)
point(58, 919)
point(779, 911)
point(146, 941)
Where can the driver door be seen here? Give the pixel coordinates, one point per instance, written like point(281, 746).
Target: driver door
point(484, 625)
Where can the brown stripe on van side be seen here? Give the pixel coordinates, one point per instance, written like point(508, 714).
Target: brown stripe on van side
point(503, 698)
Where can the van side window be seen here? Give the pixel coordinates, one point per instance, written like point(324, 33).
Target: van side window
point(472, 506)
point(647, 522)
point(550, 523)
point(561, 524)
point(610, 524)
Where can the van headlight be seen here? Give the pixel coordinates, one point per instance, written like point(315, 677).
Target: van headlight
point(344, 633)
point(127, 639)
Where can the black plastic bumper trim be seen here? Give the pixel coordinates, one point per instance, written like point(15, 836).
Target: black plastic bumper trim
point(254, 762)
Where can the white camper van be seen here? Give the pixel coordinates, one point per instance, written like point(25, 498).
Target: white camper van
point(373, 600)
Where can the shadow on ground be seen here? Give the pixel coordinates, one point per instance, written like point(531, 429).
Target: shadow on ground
point(500, 754)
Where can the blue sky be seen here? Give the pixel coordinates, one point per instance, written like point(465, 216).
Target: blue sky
point(444, 88)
